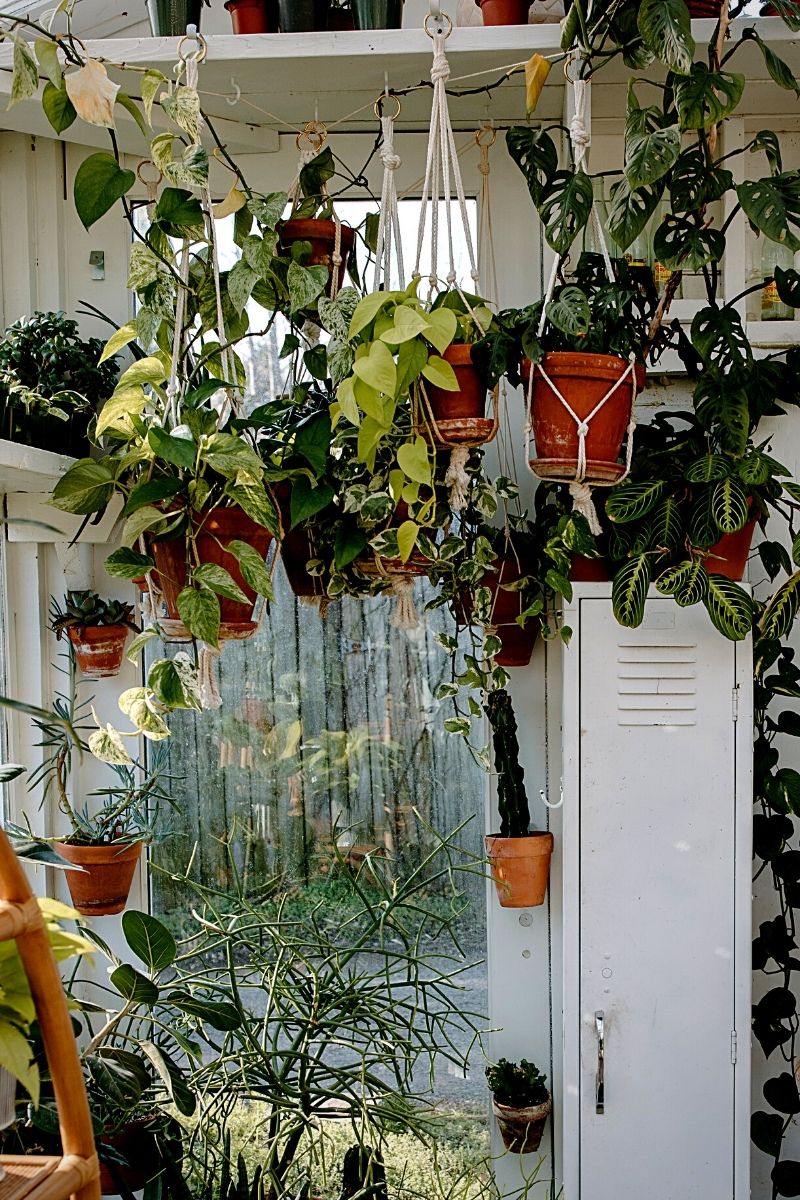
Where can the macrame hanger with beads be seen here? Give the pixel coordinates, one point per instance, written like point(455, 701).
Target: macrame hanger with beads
point(579, 486)
point(309, 142)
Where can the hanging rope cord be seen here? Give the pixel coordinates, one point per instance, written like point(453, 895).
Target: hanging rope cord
point(389, 237)
point(580, 489)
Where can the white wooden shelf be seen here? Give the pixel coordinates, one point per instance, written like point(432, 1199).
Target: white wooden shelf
point(259, 81)
point(29, 469)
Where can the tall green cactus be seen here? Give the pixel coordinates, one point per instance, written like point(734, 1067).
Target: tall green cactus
point(512, 800)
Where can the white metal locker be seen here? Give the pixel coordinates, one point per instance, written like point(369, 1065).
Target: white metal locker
point(657, 845)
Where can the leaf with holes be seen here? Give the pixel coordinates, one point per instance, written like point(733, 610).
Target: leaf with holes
point(534, 152)
point(564, 208)
point(681, 246)
point(629, 590)
point(666, 30)
point(772, 205)
point(729, 505)
point(787, 282)
point(650, 151)
point(723, 408)
point(630, 211)
point(729, 607)
point(705, 97)
point(692, 185)
point(570, 311)
point(720, 339)
point(630, 501)
point(687, 582)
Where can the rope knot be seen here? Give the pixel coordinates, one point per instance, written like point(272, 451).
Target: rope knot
point(391, 161)
point(580, 137)
point(457, 478)
point(583, 503)
point(483, 167)
point(451, 278)
point(583, 429)
point(440, 67)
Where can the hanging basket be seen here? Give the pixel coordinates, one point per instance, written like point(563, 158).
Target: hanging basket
point(214, 531)
point(459, 417)
point(101, 888)
point(322, 237)
point(518, 641)
point(583, 380)
point(520, 868)
point(99, 649)
point(522, 1128)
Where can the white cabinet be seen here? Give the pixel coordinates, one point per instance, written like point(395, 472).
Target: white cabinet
point(656, 846)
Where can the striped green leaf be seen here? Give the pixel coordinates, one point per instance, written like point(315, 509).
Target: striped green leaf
point(629, 590)
point(730, 607)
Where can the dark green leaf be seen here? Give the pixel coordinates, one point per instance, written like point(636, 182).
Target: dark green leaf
point(307, 500)
point(151, 491)
point(219, 1015)
point(719, 337)
point(779, 71)
point(782, 608)
point(707, 469)
point(666, 29)
point(729, 506)
point(692, 185)
point(149, 940)
point(313, 439)
point(178, 210)
point(179, 452)
point(254, 569)
point(564, 208)
point(173, 1078)
point(99, 183)
point(772, 205)
point(687, 582)
point(729, 606)
point(58, 108)
point(134, 986)
point(631, 500)
point(650, 151)
point(630, 211)
point(681, 245)
point(629, 590)
point(570, 312)
point(534, 152)
point(350, 542)
point(705, 97)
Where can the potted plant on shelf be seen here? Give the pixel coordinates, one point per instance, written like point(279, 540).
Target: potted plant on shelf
point(97, 630)
point(51, 383)
point(170, 18)
point(519, 858)
point(521, 1103)
point(377, 14)
point(504, 12)
point(253, 16)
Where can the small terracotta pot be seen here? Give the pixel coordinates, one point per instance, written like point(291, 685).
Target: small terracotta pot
point(520, 868)
point(249, 16)
point(99, 649)
point(102, 887)
point(521, 1128)
point(322, 236)
point(729, 555)
point(504, 12)
point(135, 1142)
point(583, 380)
point(215, 530)
point(589, 570)
point(459, 416)
point(704, 8)
point(518, 641)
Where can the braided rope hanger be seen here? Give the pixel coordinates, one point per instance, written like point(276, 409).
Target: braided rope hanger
point(580, 488)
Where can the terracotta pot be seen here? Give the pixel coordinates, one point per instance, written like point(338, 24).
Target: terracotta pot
point(215, 530)
point(296, 550)
point(583, 380)
point(521, 1128)
point(136, 1143)
point(729, 555)
point(322, 236)
point(504, 12)
point(520, 868)
point(99, 649)
point(589, 570)
point(460, 416)
point(704, 8)
point(518, 641)
point(102, 888)
point(340, 20)
point(249, 16)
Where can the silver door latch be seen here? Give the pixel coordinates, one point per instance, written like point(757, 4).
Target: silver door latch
point(600, 1081)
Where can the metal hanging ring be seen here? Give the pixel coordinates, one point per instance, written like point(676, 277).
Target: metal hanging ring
point(202, 47)
point(440, 20)
point(148, 162)
point(488, 129)
point(377, 107)
point(313, 132)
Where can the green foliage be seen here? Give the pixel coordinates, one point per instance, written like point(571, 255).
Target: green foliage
point(512, 800)
point(86, 610)
point(517, 1085)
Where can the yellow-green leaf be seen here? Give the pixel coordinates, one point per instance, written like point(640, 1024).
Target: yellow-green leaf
point(439, 372)
point(537, 69)
point(442, 325)
point(123, 337)
point(407, 539)
point(377, 369)
point(413, 460)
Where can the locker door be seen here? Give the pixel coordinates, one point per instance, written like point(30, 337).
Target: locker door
point(656, 933)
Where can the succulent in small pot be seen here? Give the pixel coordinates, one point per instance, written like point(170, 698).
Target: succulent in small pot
point(521, 1103)
point(97, 630)
point(519, 858)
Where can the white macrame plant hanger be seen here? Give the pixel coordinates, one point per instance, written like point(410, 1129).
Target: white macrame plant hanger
point(580, 488)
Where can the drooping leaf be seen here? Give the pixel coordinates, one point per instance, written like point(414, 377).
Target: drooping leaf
point(780, 72)
point(534, 152)
point(307, 501)
point(650, 150)
point(173, 1077)
point(305, 284)
point(719, 337)
point(58, 108)
point(218, 1014)
point(84, 488)
point(564, 208)
point(729, 606)
point(99, 183)
point(629, 590)
point(630, 211)
point(630, 501)
point(687, 582)
point(215, 577)
point(25, 74)
point(782, 608)
point(128, 564)
point(772, 205)
point(666, 29)
point(199, 610)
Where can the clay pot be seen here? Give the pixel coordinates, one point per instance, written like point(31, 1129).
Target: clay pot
point(518, 641)
point(583, 380)
point(521, 1128)
point(102, 887)
point(459, 416)
point(704, 8)
point(504, 12)
point(249, 16)
point(296, 550)
point(589, 570)
point(136, 1143)
point(322, 236)
point(99, 649)
point(215, 530)
point(730, 553)
point(520, 868)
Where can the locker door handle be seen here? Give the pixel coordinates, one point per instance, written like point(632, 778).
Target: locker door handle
point(600, 1080)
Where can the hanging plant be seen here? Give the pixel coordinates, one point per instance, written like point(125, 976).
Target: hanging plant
point(97, 629)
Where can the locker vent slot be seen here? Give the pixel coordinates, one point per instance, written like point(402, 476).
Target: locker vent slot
point(656, 683)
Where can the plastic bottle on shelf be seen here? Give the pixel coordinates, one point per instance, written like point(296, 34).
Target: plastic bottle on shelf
point(774, 254)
